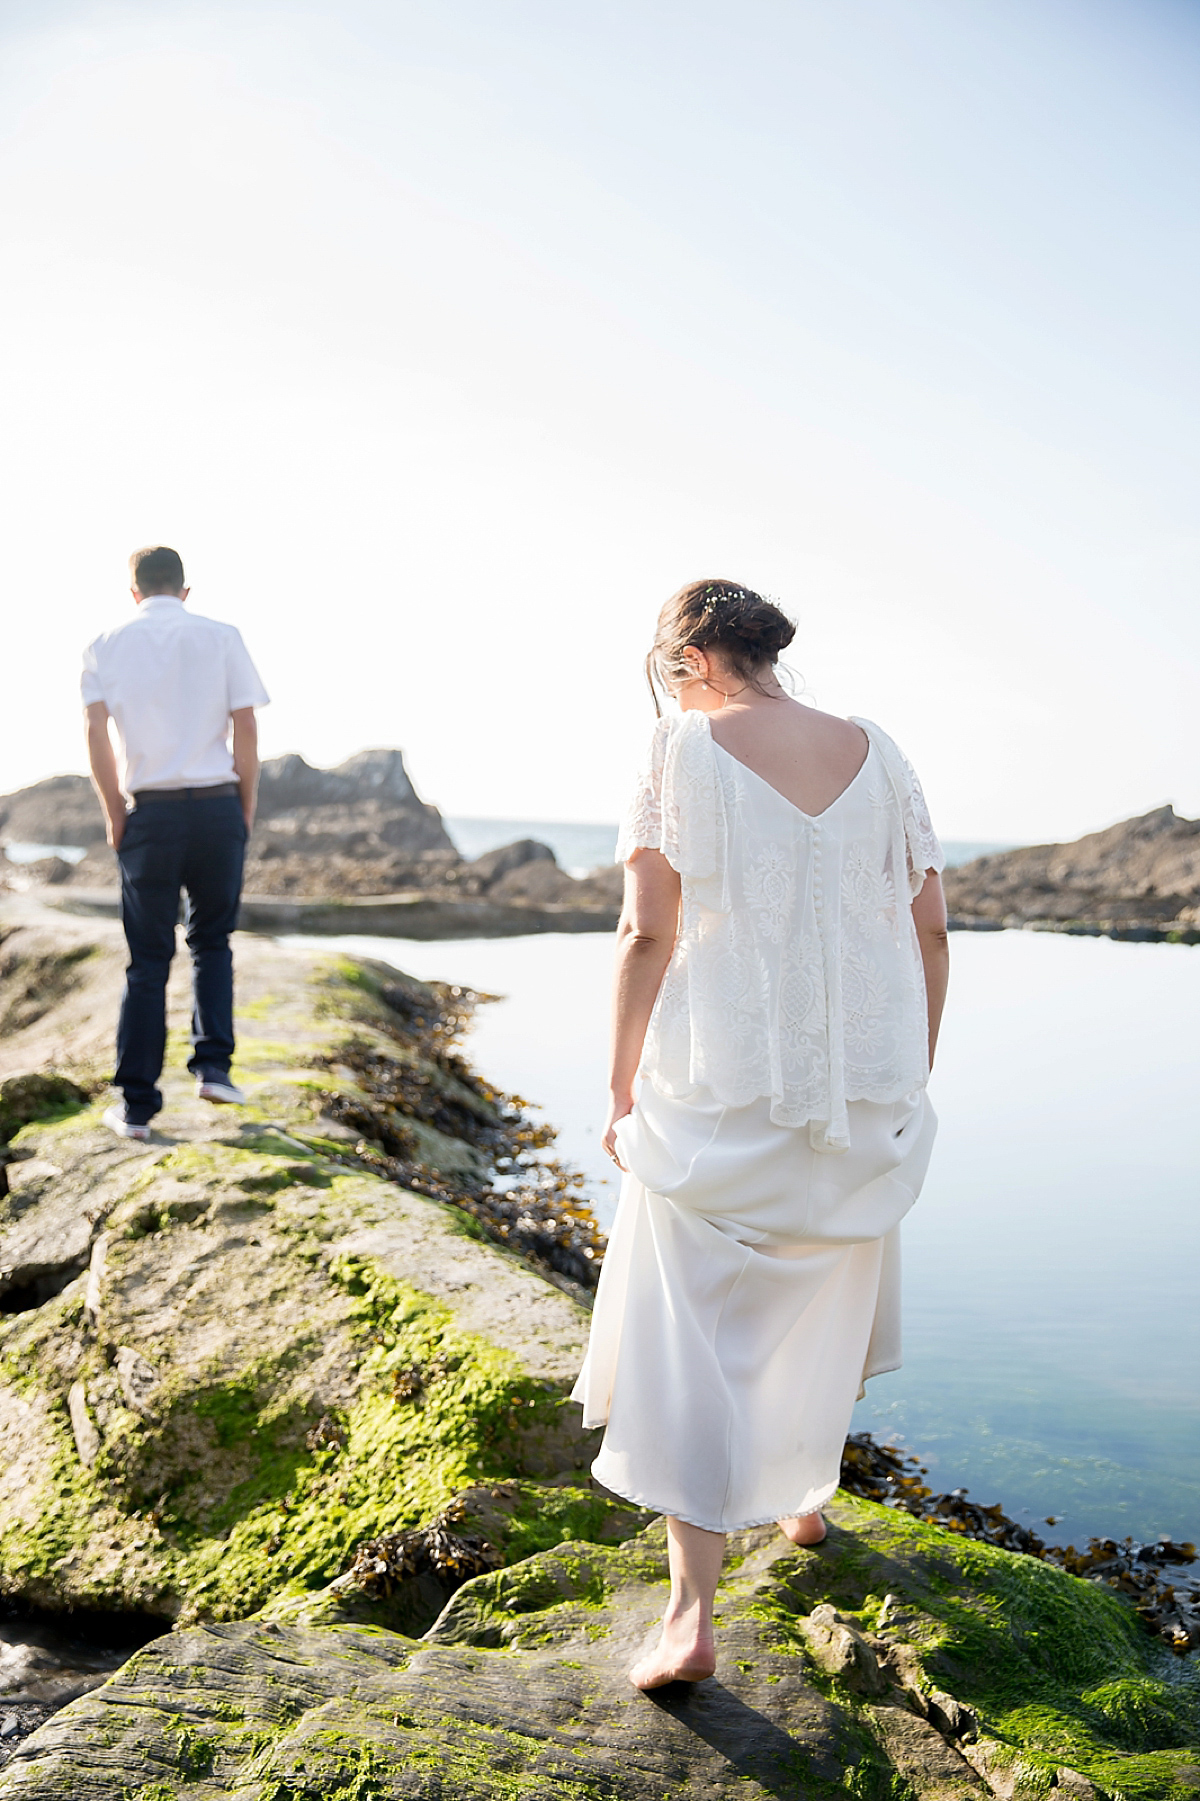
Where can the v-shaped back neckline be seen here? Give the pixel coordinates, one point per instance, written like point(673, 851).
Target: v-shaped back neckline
point(812, 818)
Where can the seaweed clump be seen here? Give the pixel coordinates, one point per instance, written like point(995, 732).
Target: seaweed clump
point(453, 1557)
point(518, 1196)
point(1171, 1610)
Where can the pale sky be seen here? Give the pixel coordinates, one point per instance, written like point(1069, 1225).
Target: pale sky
point(446, 339)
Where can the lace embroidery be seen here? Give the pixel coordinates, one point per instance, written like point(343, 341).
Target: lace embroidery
point(771, 891)
point(868, 893)
point(865, 1001)
point(766, 995)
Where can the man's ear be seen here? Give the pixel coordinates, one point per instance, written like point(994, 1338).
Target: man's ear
point(184, 592)
point(137, 596)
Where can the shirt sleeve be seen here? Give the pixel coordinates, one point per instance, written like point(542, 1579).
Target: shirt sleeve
point(642, 826)
point(245, 683)
point(90, 685)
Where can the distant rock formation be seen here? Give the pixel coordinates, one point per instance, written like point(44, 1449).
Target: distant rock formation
point(367, 805)
point(61, 810)
point(1141, 877)
point(324, 835)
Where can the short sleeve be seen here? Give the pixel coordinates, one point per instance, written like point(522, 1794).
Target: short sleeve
point(90, 685)
point(924, 851)
point(642, 826)
point(245, 683)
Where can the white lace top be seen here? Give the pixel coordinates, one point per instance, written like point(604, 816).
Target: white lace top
point(797, 974)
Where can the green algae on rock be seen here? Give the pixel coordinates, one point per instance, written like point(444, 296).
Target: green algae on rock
point(210, 1301)
point(1149, 1575)
point(894, 1662)
point(240, 1353)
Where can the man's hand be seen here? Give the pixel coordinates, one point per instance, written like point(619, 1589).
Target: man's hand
point(103, 764)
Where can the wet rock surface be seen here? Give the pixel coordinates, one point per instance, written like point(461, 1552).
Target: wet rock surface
point(46, 1662)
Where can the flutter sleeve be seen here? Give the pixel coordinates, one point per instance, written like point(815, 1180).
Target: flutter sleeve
point(923, 851)
point(642, 826)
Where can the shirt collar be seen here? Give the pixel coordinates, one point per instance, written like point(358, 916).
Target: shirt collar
point(157, 603)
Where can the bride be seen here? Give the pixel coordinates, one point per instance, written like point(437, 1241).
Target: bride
point(781, 967)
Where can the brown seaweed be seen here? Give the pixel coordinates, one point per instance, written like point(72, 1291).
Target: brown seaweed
point(454, 1557)
point(533, 1204)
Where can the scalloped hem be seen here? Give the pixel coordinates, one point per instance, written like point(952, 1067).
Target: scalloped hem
point(766, 1519)
point(794, 1119)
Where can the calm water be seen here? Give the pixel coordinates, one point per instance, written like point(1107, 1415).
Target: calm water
point(582, 848)
point(1051, 1266)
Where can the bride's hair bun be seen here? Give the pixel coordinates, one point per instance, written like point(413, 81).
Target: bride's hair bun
point(748, 631)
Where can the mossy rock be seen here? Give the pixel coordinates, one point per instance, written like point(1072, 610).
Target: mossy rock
point(39, 1095)
point(198, 1367)
point(895, 1662)
point(257, 1355)
point(35, 980)
point(234, 1301)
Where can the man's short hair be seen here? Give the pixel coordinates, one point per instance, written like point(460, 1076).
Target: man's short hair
point(157, 570)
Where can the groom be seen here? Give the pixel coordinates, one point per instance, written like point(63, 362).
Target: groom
point(173, 684)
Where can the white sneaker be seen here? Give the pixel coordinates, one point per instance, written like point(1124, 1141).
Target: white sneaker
point(115, 1120)
point(221, 1090)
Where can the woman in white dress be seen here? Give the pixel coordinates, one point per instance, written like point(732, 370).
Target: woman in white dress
point(781, 967)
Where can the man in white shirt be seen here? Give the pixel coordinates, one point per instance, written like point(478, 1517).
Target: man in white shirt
point(177, 687)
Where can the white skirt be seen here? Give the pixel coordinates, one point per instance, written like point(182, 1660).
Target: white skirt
point(750, 1287)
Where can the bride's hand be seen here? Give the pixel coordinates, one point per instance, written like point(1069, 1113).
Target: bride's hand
point(619, 1106)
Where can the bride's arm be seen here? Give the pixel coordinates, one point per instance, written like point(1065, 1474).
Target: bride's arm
point(929, 917)
point(645, 939)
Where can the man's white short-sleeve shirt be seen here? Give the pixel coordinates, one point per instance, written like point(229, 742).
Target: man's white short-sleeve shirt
point(170, 679)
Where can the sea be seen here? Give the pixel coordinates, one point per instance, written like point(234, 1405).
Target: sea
point(579, 848)
point(1052, 1332)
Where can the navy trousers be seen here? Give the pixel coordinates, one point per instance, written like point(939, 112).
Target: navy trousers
point(197, 847)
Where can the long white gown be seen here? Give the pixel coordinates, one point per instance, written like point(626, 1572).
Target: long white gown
point(781, 1132)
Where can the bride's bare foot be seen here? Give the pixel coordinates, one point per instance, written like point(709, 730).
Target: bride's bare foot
point(684, 1653)
point(809, 1529)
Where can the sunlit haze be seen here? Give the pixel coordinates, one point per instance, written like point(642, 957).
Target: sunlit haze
point(445, 340)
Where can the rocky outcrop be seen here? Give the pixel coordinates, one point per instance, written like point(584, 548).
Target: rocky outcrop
point(292, 1381)
point(365, 809)
point(890, 1661)
point(61, 810)
point(202, 1340)
point(322, 836)
point(1140, 878)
